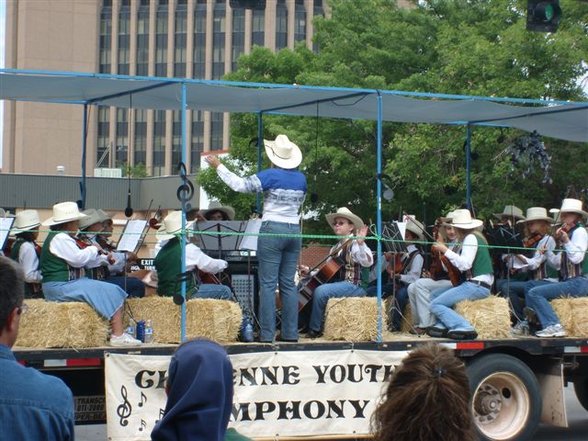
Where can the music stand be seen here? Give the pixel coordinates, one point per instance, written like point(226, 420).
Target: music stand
point(132, 236)
point(393, 240)
point(504, 238)
point(5, 227)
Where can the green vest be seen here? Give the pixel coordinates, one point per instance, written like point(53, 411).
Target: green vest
point(168, 264)
point(482, 262)
point(53, 268)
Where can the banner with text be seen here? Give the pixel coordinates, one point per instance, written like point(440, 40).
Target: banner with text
point(277, 394)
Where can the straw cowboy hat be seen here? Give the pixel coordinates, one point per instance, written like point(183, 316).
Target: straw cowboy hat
point(572, 206)
point(511, 211)
point(93, 216)
point(462, 219)
point(25, 220)
point(415, 227)
point(345, 213)
point(171, 225)
point(536, 214)
point(216, 206)
point(283, 152)
point(64, 212)
point(104, 215)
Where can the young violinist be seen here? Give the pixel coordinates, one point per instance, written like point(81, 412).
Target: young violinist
point(419, 292)
point(26, 252)
point(572, 265)
point(474, 258)
point(538, 224)
point(62, 266)
point(355, 253)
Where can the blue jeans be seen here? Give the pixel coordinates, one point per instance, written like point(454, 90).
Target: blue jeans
point(442, 305)
point(538, 297)
point(131, 285)
point(325, 292)
point(278, 258)
point(212, 291)
point(514, 290)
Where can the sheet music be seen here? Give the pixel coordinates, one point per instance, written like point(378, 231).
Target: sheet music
point(132, 235)
point(249, 241)
point(5, 226)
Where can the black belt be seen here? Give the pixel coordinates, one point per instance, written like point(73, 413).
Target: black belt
point(480, 283)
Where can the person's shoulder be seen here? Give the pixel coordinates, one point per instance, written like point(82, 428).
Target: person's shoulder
point(42, 386)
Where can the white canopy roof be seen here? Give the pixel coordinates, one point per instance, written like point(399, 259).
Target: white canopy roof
point(561, 120)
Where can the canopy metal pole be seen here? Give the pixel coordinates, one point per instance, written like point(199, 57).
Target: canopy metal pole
point(259, 156)
point(84, 148)
point(379, 214)
point(183, 232)
point(468, 153)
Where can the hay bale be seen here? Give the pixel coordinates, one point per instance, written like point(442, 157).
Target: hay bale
point(352, 319)
point(490, 316)
point(573, 315)
point(61, 325)
point(218, 320)
point(406, 324)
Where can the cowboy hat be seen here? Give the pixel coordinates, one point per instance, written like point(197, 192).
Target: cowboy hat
point(462, 219)
point(104, 215)
point(415, 227)
point(345, 213)
point(572, 206)
point(216, 206)
point(26, 220)
point(510, 211)
point(536, 214)
point(556, 215)
point(92, 217)
point(64, 212)
point(172, 225)
point(283, 152)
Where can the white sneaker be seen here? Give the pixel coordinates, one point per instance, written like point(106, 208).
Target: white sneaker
point(521, 328)
point(556, 330)
point(124, 340)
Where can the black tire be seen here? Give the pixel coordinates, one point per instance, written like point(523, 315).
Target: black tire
point(506, 398)
point(581, 389)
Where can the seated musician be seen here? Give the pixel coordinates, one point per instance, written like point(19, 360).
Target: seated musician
point(92, 228)
point(419, 292)
point(62, 265)
point(474, 258)
point(403, 269)
point(354, 254)
point(506, 227)
point(168, 264)
point(218, 212)
point(573, 269)
point(538, 224)
point(26, 251)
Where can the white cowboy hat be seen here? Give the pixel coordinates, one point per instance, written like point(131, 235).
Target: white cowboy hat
point(511, 211)
point(572, 206)
point(345, 213)
point(104, 215)
point(26, 220)
point(93, 216)
point(536, 214)
point(64, 212)
point(415, 227)
point(462, 219)
point(556, 215)
point(283, 152)
point(171, 225)
point(216, 206)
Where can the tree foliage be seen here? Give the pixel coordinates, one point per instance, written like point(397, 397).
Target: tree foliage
point(475, 47)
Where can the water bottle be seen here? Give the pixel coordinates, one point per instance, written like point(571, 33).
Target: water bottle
point(131, 330)
point(140, 331)
point(148, 332)
point(247, 331)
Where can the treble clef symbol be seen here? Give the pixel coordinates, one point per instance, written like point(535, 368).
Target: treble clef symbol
point(124, 410)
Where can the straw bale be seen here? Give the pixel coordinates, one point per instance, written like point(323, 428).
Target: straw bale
point(490, 316)
point(61, 325)
point(352, 319)
point(406, 324)
point(573, 315)
point(218, 320)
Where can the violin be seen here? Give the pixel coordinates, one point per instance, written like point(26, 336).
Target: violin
point(532, 240)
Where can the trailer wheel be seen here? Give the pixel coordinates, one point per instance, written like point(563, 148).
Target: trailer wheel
point(581, 390)
point(506, 398)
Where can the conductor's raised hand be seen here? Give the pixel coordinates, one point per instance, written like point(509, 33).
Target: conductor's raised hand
point(213, 161)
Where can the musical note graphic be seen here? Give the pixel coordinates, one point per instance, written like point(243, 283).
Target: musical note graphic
point(143, 399)
point(125, 409)
point(143, 425)
point(161, 413)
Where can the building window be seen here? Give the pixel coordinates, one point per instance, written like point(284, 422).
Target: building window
point(122, 138)
point(197, 146)
point(281, 25)
point(124, 38)
point(102, 152)
point(161, 40)
point(318, 12)
point(140, 144)
point(238, 44)
point(257, 37)
point(199, 68)
point(143, 40)
point(216, 131)
point(176, 140)
point(105, 36)
point(180, 39)
point(299, 22)
point(158, 142)
point(218, 41)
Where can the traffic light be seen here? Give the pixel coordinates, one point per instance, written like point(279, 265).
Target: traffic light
point(247, 4)
point(543, 15)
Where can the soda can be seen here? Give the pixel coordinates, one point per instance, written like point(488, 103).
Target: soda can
point(140, 335)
